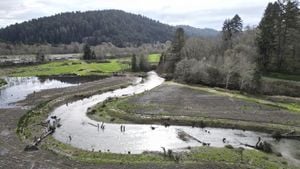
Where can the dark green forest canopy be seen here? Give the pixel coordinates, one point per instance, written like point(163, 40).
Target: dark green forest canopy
point(93, 27)
point(278, 38)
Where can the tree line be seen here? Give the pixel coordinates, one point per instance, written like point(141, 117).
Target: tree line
point(279, 36)
point(227, 61)
point(101, 51)
point(238, 58)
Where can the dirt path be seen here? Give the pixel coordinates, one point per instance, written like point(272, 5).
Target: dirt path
point(12, 155)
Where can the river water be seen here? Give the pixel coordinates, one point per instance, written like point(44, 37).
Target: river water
point(81, 132)
point(18, 88)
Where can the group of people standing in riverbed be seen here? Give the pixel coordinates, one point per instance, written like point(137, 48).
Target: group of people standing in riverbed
point(102, 126)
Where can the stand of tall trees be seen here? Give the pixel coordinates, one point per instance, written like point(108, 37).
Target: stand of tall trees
point(139, 63)
point(228, 61)
point(279, 36)
point(172, 56)
point(237, 59)
point(231, 28)
point(88, 54)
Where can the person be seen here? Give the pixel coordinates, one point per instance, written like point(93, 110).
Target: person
point(259, 143)
point(102, 126)
point(51, 124)
point(122, 128)
point(224, 140)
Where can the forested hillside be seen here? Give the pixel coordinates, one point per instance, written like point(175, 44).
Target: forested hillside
point(94, 27)
point(198, 32)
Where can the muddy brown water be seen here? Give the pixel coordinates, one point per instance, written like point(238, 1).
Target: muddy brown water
point(81, 132)
point(18, 88)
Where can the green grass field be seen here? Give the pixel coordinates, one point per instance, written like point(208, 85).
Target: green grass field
point(76, 67)
point(2, 82)
point(283, 76)
point(154, 58)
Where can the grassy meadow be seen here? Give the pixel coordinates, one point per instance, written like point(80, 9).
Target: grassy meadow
point(283, 76)
point(75, 67)
point(154, 58)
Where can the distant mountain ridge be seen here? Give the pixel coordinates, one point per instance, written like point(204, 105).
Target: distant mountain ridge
point(199, 32)
point(94, 27)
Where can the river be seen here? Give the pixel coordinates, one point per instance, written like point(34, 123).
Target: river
point(85, 134)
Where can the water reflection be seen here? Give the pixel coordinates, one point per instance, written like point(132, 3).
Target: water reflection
point(18, 88)
point(72, 79)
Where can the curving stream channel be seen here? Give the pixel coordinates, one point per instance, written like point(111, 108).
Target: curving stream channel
point(81, 132)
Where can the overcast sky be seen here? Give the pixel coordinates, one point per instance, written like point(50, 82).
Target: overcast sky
point(197, 13)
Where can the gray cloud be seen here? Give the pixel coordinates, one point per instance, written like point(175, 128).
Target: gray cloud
point(210, 18)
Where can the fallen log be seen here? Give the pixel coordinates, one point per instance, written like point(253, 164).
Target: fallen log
point(36, 142)
point(289, 135)
point(261, 146)
point(185, 136)
point(42, 137)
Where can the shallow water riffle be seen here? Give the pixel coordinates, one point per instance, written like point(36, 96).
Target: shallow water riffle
point(140, 138)
point(18, 88)
point(81, 132)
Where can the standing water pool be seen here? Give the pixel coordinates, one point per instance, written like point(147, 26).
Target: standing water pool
point(18, 88)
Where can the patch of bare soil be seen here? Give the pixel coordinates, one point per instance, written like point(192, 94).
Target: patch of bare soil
point(173, 100)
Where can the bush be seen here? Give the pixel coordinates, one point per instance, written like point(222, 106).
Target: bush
point(2, 82)
point(88, 54)
point(229, 146)
point(280, 87)
point(215, 76)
